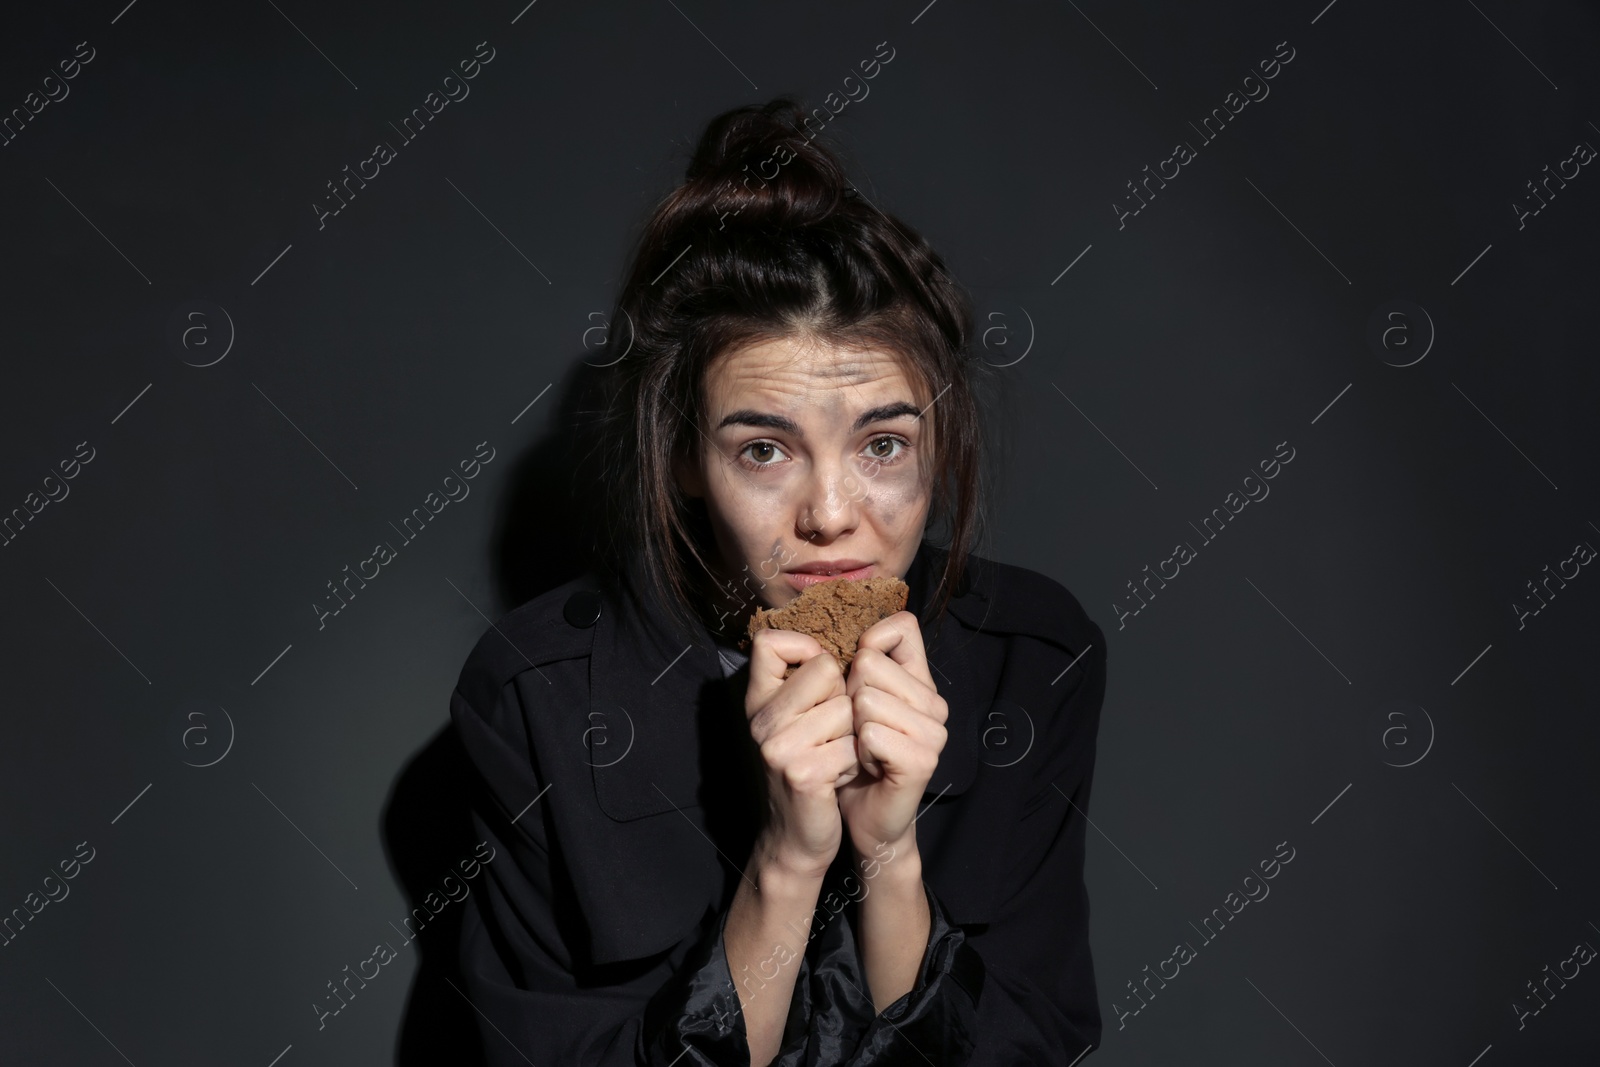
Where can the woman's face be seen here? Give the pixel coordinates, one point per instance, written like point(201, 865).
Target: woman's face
point(811, 456)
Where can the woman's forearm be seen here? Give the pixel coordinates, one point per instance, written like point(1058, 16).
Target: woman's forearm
point(894, 925)
point(764, 939)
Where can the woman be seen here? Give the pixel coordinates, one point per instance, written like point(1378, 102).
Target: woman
point(699, 861)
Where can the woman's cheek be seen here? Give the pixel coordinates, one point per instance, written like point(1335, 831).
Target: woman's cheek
point(893, 494)
point(761, 521)
point(751, 509)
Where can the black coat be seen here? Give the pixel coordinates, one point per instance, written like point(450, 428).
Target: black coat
point(623, 780)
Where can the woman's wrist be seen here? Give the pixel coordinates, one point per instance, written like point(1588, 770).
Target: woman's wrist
point(783, 867)
point(895, 922)
point(764, 939)
point(876, 859)
point(891, 875)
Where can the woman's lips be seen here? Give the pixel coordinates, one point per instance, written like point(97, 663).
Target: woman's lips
point(801, 581)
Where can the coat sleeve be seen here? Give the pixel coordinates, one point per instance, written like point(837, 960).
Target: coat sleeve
point(1018, 991)
point(1040, 1004)
point(538, 1004)
point(937, 1018)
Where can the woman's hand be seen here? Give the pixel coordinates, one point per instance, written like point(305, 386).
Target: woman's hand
point(803, 727)
point(898, 720)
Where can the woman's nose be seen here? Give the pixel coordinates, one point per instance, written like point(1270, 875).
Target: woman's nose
point(831, 508)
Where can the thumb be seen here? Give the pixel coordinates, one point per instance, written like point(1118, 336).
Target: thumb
point(871, 761)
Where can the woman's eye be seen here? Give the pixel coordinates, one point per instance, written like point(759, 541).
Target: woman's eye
point(881, 450)
point(762, 460)
point(889, 455)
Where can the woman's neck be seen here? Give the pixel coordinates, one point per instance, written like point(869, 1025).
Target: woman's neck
point(728, 606)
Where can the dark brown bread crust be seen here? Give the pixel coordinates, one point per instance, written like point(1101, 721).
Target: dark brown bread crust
point(836, 613)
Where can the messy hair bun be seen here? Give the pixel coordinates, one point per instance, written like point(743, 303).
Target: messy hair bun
point(767, 238)
point(806, 185)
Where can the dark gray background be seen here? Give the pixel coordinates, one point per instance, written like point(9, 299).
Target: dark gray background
point(1249, 703)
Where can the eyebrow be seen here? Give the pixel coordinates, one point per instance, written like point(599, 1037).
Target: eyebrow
point(768, 421)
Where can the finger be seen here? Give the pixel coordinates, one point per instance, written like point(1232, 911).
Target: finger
point(774, 700)
point(874, 669)
point(875, 708)
point(870, 768)
point(840, 755)
point(899, 757)
point(898, 701)
point(802, 735)
point(849, 776)
point(823, 767)
point(832, 719)
point(899, 636)
point(773, 650)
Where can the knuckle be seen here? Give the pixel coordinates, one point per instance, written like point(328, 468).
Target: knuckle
point(803, 780)
point(760, 718)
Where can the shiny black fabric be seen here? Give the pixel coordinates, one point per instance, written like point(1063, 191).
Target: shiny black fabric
point(831, 1018)
point(597, 934)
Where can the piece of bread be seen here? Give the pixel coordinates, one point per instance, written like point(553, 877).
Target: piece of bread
point(835, 612)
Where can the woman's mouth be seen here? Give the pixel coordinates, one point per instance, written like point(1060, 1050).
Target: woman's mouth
point(802, 580)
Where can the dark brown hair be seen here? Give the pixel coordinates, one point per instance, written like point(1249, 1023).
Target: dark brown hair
point(738, 254)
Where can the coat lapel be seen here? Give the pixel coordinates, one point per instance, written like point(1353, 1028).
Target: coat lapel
point(646, 867)
point(649, 695)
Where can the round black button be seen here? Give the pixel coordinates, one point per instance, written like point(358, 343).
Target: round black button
point(582, 608)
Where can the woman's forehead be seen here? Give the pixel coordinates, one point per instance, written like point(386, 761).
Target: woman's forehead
point(784, 368)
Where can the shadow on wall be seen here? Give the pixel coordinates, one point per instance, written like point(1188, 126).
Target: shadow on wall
point(544, 536)
point(548, 527)
point(427, 829)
